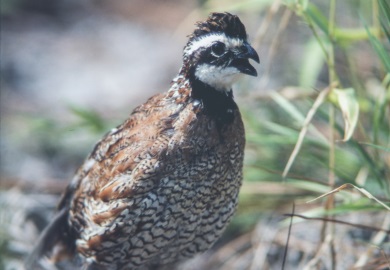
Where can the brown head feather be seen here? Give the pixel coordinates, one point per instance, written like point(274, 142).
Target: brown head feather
point(225, 23)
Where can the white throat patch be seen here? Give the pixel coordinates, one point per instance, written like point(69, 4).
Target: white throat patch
point(218, 77)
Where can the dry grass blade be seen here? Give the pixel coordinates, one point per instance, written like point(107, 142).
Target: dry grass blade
point(376, 241)
point(275, 42)
point(348, 185)
point(385, 230)
point(264, 26)
point(320, 99)
point(288, 237)
point(314, 262)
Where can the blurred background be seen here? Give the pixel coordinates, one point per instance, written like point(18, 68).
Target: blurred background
point(71, 70)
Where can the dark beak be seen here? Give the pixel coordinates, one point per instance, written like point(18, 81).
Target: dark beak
point(241, 60)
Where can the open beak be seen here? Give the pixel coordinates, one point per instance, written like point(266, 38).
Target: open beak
point(241, 60)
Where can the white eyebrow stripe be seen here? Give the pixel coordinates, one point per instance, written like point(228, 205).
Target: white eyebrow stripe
point(208, 40)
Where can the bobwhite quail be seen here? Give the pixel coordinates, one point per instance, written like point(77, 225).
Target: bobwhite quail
point(162, 186)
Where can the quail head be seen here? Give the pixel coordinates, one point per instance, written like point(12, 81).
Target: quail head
point(162, 186)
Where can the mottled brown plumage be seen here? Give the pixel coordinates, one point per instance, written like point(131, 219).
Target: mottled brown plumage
point(162, 186)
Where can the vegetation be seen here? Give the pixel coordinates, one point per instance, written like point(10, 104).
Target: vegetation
point(328, 135)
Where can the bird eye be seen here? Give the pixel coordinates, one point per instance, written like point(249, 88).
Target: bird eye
point(218, 48)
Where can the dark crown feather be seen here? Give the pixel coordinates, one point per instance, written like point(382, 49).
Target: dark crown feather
point(225, 23)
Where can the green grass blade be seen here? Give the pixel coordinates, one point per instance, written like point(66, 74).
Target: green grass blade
point(380, 147)
point(382, 53)
point(313, 60)
point(317, 18)
point(89, 118)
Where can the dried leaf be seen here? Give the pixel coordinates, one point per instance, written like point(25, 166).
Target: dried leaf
point(346, 98)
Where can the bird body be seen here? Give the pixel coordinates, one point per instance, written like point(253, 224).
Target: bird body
point(163, 186)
